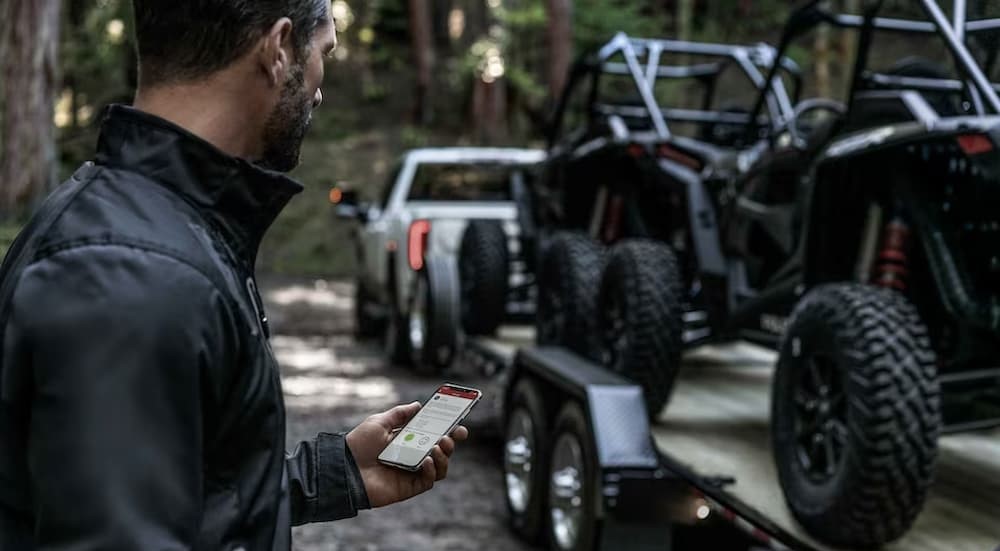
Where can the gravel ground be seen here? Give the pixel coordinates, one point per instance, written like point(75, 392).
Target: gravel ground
point(332, 382)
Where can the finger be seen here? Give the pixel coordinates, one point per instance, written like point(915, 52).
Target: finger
point(428, 474)
point(447, 446)
point(440, 463)
point(460, 434)
point(397, 416)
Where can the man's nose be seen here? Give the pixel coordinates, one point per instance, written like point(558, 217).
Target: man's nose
point(318, 98)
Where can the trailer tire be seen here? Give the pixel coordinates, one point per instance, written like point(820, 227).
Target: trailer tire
point(433, 315)
point(640, 317)
point(484, 262)
point(568, 282)
point(855, 414)
point(526, 441)
point(572, 479)
point(366, 325)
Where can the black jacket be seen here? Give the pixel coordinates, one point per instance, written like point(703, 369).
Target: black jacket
point(141, 402)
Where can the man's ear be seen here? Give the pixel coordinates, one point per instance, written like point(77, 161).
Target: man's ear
point(275, 52)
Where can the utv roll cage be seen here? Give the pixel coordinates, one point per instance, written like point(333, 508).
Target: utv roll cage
point(643, 60)
point(980, 93)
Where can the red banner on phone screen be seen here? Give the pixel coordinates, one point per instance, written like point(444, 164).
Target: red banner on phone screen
point(451, 391)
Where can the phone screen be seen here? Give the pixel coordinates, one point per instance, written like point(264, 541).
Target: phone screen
point(446, 408)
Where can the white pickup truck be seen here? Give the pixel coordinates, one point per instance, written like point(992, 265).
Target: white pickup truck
point(407, 286)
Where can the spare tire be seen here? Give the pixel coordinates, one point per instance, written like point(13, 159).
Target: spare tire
point(484, 264)
point(568, 282)
point(433, 315)
point(855, 414)
point(640, 317)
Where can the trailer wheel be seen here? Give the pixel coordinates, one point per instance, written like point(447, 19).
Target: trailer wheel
point(366, 325)
point(433, 315)
point(572, 483)
point(484, 262)
point(640, 317)
point(525, 458)
point(569, 278)
point(856, 414)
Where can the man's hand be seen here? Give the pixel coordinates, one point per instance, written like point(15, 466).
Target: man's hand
point(388, 485)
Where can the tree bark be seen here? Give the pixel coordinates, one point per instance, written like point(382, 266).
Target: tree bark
point(422, 35)
point(821, 60)
point(685, 18)
point(560, 35)
point(28, 165)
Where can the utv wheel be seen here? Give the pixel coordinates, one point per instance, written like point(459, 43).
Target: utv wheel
point(433, 316)
point(572, 478)
point(484, 262)
point(640, 317)
point(525, 460)
point(569, 280)
point(366, 324)
point(856, 414)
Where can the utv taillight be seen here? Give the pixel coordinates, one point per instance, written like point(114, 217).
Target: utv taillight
point(417, 243)
point(664, 151)
point(636, 151)
point(975, 144)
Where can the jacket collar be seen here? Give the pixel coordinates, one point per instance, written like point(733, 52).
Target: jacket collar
point(240, 198)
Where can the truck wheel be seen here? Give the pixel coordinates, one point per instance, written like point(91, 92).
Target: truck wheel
point(568, 282)
point(433, 315)
point(397, 342)
point(366, 325)
point(525, 458)
point(572, 478)
point(855, 414)
point(484, 262)
point(640, 317)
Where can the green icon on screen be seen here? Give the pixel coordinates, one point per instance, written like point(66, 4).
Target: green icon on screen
point(409, 437)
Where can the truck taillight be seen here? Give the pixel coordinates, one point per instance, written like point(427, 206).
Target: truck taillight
point(417, 243)
point(975, 144)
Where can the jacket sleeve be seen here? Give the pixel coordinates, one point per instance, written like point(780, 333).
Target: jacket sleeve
point(324, 481)
point(119, 347)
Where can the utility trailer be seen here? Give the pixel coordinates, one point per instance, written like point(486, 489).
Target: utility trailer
point(586, 469)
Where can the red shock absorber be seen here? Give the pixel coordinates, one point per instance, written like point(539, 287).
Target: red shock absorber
point(891, 268)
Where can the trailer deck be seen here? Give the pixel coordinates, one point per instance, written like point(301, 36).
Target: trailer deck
point(715, 433)
point(717, 424)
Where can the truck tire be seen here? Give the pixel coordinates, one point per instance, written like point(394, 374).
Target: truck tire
point(366, 325)
point(572, 475)
point(433, 315)
point(568, 283)
point(526, 441)
point(640, 317)
point(396, 340)
point(855, 414)
point(484, 262)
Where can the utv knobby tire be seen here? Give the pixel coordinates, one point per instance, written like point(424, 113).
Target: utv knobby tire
point(568, 282)
point(877, 349)
point(484, 263)
point(640, 317)
point(435, 301)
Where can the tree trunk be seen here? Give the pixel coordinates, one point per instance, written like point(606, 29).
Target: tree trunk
point(28, 166)
point(685, 18)
point(821, 60)
point(422, 35)
point(560, 31)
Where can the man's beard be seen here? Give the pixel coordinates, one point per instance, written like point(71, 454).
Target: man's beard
point(287, 125)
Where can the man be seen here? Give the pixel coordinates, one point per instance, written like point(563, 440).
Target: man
point(141, 404)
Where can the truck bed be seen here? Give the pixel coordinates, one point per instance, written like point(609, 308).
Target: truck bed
point(717, 425)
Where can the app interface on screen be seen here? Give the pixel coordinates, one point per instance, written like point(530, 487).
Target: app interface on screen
point(428, 426)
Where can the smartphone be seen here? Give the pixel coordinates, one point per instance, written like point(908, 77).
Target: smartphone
point(436, 419)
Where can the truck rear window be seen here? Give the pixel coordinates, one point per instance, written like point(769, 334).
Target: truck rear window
point(462, 182)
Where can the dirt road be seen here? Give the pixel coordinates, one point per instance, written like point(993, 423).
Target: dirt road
point(332, 382)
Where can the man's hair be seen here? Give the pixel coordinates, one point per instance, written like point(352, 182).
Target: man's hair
point(184, 40)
